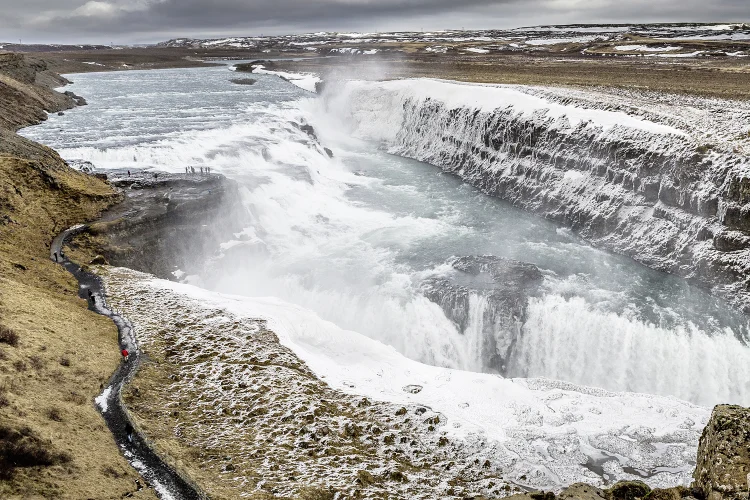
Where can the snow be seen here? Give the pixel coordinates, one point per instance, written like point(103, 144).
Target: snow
point(555, 41)
point(477, 50)
point(491, 97)
point(645, 48)
point(101, 399)
point(510, 415)
point(305, 81)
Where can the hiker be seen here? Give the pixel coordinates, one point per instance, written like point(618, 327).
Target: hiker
point(55, 253)
point(187, 170)
point(156, 176)
point(209, 170)
point(92, 298)
point(128, 173)
point(201, 170)
point(125, 354)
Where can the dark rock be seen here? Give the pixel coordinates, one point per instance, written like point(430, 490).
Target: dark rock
point(99, 260)
point(723, 465)
point(328, 152)
point(504, 284)
point(60, 113)
point(80, 101)
point(244, 81)
point(729, 241)
point(173, 221)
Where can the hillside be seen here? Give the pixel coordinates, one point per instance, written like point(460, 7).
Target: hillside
point(54, 353)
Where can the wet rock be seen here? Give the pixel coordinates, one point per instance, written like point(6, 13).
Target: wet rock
point(646, 195)
point(80, 101)
point(503, 286)
point(723, 464)
point(243, 81)
point(99, 260)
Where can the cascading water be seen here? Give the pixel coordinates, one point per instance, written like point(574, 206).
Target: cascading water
point(356, 237)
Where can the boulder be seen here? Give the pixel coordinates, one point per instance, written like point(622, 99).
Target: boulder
point(723, 464)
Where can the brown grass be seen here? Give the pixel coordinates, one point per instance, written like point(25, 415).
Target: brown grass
point(8, 336)
point(51, 432)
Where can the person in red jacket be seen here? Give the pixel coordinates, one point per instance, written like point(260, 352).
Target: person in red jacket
point(125, 354)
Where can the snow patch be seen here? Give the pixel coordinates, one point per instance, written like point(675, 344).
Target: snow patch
point(305, 81)
point(101, 399)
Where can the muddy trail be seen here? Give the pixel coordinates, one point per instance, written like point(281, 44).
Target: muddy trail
point(166, 482)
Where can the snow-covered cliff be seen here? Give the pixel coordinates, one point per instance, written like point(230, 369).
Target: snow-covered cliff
point(662, 179)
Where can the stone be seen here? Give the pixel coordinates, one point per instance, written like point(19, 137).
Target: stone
point(628, 490)
point(723, 462)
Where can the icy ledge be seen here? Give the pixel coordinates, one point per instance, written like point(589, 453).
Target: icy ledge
point(532, 432)
point(662, 179)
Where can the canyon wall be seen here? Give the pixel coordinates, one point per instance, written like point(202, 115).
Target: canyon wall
point(643, 177)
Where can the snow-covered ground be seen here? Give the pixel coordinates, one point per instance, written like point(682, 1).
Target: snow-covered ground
point(539, 433)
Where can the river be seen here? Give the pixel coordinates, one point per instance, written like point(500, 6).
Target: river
point(353, 237)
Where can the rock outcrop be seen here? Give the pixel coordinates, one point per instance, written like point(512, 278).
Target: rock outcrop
point(166, 222)
point(26, 91)
point(488, 295)
point(722, 471)
point(652, 190)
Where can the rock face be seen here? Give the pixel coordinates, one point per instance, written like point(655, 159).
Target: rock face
point(662, 196)
point(487, 298)
point(723, 467)
point(167, 222)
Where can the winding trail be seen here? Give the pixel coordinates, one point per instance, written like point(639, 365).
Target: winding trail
point(165, 481)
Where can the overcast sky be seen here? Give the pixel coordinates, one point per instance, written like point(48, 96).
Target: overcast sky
point(146, 21)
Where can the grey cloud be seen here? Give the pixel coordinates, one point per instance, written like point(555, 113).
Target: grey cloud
point(48, 20)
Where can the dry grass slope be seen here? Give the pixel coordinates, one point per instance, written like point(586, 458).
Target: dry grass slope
point(54, 353)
